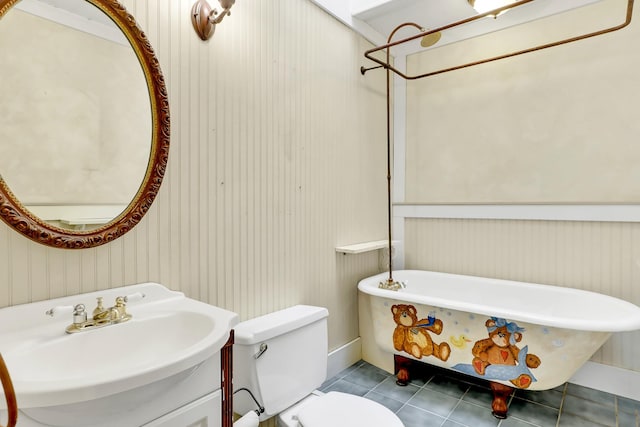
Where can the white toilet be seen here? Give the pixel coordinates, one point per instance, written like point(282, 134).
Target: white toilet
point(282, 358)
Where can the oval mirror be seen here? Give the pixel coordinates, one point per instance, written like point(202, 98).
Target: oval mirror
point(84, 121)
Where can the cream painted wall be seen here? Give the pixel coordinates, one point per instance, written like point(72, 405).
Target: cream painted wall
point(277, 156)
point(558, 125)
point(554, 126)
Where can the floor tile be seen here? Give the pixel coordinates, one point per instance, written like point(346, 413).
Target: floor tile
point(329, 382)
point(347, 387)
point(473, 415)
point(552, 398)
point(419, 381)
point(589, 410)
point(515, 422)
point(416, 417)
point(390, 389)
point(628, 420)
point(571, 420)
point(437, 397)
point(367, 376)
point(480, 396)
point(434, 401)
point(627, 405)
point(392, 404)
point(533, 413)
point(591, 394)
point(350, 369)
point(447, 385)
point(340, 375)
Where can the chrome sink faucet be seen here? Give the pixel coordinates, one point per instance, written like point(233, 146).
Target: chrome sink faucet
point(101, 316)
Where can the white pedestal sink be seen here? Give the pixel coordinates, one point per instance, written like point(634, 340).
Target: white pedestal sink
point(128, 374)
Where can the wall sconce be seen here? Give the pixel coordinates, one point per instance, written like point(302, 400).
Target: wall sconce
point(482, 6)
point(205, 19)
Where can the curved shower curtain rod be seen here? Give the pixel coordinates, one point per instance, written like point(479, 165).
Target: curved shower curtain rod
point(390, 283)
point(390, 44)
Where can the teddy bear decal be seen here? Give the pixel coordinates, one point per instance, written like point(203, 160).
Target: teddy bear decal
point(495, 357)
point(501, 356)
point(412, 335)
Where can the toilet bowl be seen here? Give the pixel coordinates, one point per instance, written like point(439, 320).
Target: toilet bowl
point(337, 409)
point(281, 358)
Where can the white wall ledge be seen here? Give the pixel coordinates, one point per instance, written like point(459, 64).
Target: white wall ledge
point(359, 248)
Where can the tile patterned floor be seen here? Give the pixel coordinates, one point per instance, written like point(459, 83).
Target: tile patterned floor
point(442, 398)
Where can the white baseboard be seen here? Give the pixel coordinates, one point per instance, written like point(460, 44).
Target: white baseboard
point(343, 357)
point(622, 382)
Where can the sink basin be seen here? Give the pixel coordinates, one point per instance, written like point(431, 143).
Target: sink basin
point(168, 337)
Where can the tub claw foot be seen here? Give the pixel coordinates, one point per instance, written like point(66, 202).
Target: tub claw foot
point(402, 365)
point(501, 393)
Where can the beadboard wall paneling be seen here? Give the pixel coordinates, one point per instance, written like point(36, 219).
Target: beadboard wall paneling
point(596, 256)
point(277, 156)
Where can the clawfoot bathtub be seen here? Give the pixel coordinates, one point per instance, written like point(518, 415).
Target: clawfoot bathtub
point(512, 334)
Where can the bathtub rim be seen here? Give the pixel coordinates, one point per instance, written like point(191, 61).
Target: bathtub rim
point(369, 285)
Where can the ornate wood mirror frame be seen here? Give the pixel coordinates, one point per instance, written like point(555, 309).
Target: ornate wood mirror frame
point(22, 220)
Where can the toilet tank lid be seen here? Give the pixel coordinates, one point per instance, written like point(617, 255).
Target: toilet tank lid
point(262, 328)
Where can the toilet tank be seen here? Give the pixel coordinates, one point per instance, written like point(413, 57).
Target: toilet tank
point(292, 365)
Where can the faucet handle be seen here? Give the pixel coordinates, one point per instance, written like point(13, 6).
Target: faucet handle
point(99, 307)
point(79, 314)
point(137, 296)
point(59, 309)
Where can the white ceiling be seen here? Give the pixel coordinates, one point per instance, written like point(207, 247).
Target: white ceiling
point(76, 7)
point(376, 19)
point(78, 14)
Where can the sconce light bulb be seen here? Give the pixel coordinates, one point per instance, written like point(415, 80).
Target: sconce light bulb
point(226, 4)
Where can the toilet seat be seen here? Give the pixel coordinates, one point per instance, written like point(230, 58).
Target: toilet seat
point(337, 409)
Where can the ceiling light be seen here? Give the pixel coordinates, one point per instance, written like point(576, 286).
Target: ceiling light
point(482, 6)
